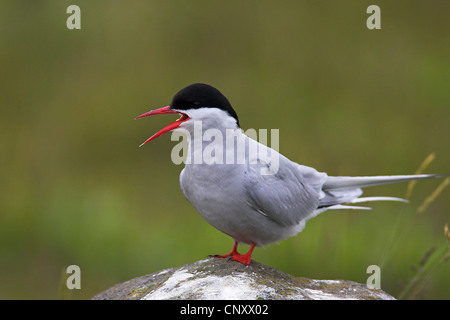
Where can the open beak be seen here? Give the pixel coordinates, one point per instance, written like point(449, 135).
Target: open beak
point(170, 127)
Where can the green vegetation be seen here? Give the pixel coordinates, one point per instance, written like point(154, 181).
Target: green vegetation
point(76, 189)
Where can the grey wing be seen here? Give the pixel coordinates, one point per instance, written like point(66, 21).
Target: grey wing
point(288, 196)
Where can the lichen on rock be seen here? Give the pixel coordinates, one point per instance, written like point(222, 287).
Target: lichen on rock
point(214, 279)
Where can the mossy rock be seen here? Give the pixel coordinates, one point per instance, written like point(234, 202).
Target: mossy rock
point(213, 279)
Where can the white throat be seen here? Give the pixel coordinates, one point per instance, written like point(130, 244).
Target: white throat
point(212, 135)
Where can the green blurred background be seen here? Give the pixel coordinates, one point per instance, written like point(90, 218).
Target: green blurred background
point(76, 189)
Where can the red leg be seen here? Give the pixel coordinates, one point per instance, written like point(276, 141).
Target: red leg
point(231, 254)
point(236, 256)
point(244, 258)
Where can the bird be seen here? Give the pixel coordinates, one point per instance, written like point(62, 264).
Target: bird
point(245, 189)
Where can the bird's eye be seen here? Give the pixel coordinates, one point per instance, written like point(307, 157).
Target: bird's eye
point(196, 104)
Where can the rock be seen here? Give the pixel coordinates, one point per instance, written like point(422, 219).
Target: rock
point(214, 279)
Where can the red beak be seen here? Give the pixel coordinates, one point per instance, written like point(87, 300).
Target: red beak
point(170, 127)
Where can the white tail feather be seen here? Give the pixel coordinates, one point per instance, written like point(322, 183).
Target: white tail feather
point(336, 183)
point(341, 206)
point(367, 199)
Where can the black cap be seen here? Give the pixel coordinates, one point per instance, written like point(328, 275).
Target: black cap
point(200, 95)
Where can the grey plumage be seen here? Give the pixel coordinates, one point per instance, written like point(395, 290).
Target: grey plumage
point(255, 208)
point(260, 196)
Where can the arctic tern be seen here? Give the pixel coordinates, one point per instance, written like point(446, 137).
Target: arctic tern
point(258, 200)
